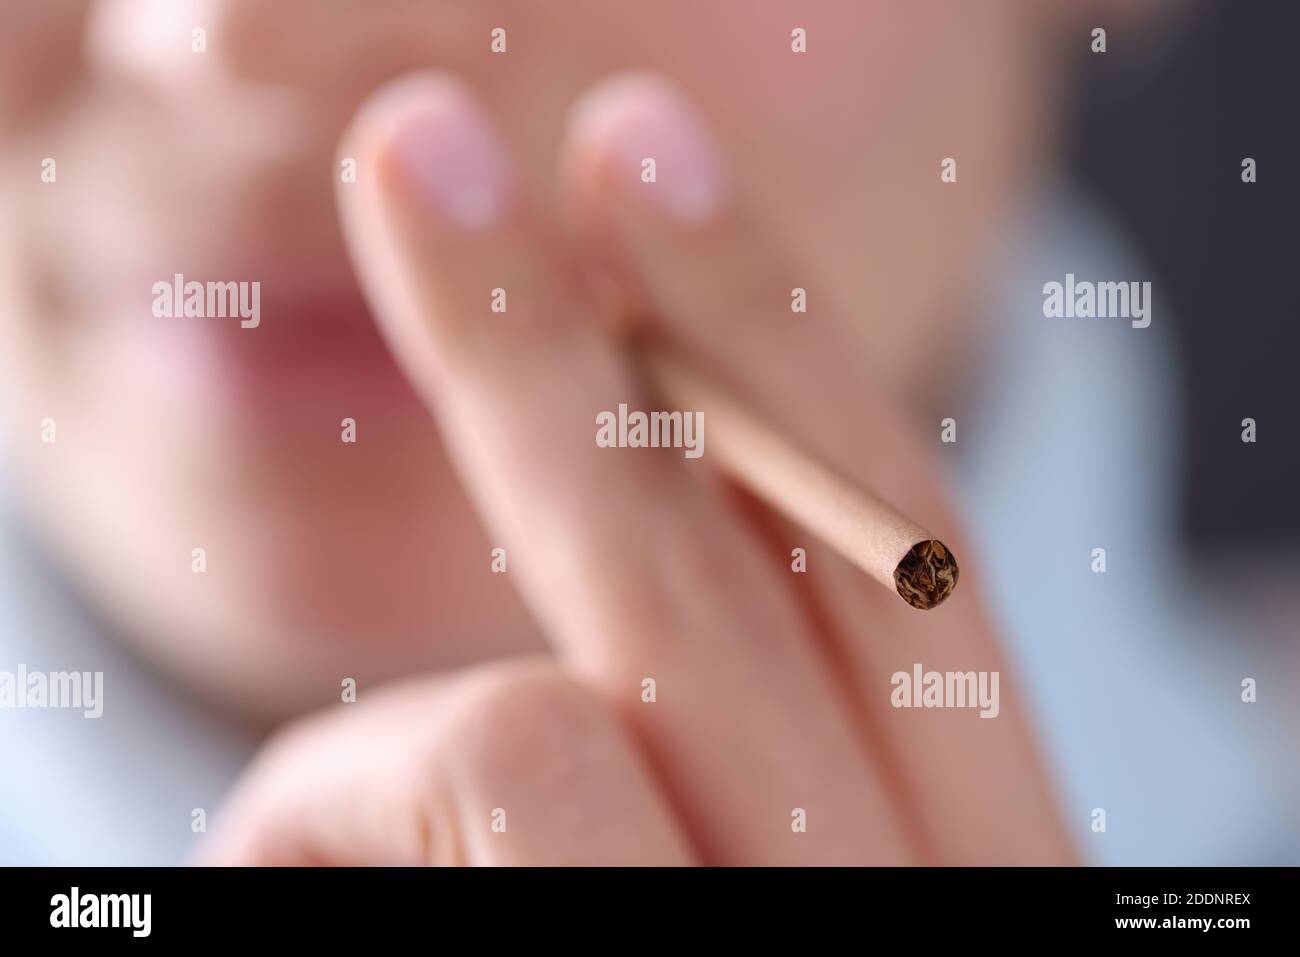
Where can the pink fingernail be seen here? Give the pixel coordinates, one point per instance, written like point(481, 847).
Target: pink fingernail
point(454, 156)
point(660, 146)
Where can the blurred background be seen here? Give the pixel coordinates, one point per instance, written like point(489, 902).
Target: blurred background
point(1150, 140)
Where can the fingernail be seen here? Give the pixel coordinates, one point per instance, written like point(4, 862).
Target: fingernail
point(660, 147)
point(452, 155)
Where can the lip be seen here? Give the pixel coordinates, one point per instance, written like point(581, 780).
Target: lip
point(313, 330)
point(310, 353)
point(316, 355)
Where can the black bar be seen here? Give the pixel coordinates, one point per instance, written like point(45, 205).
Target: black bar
point(433, 908)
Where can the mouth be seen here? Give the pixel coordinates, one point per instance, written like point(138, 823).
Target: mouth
point(313, 352)
point(314, 357)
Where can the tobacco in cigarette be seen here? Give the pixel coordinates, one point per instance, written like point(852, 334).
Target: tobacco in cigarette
point(926, 575)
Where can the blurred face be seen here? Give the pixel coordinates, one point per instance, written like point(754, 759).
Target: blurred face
point(324, 558)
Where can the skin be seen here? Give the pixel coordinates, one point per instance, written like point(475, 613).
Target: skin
point(523, 690)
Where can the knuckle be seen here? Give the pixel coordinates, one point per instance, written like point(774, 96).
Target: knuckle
point(526, 723)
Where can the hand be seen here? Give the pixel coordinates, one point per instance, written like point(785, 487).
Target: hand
point(772, 689)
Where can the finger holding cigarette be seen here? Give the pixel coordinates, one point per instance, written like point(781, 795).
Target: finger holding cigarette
point(697, 263)
point(635, 569)
point(658, 247)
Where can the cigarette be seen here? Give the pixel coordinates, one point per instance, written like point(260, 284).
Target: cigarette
point(876, 537)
